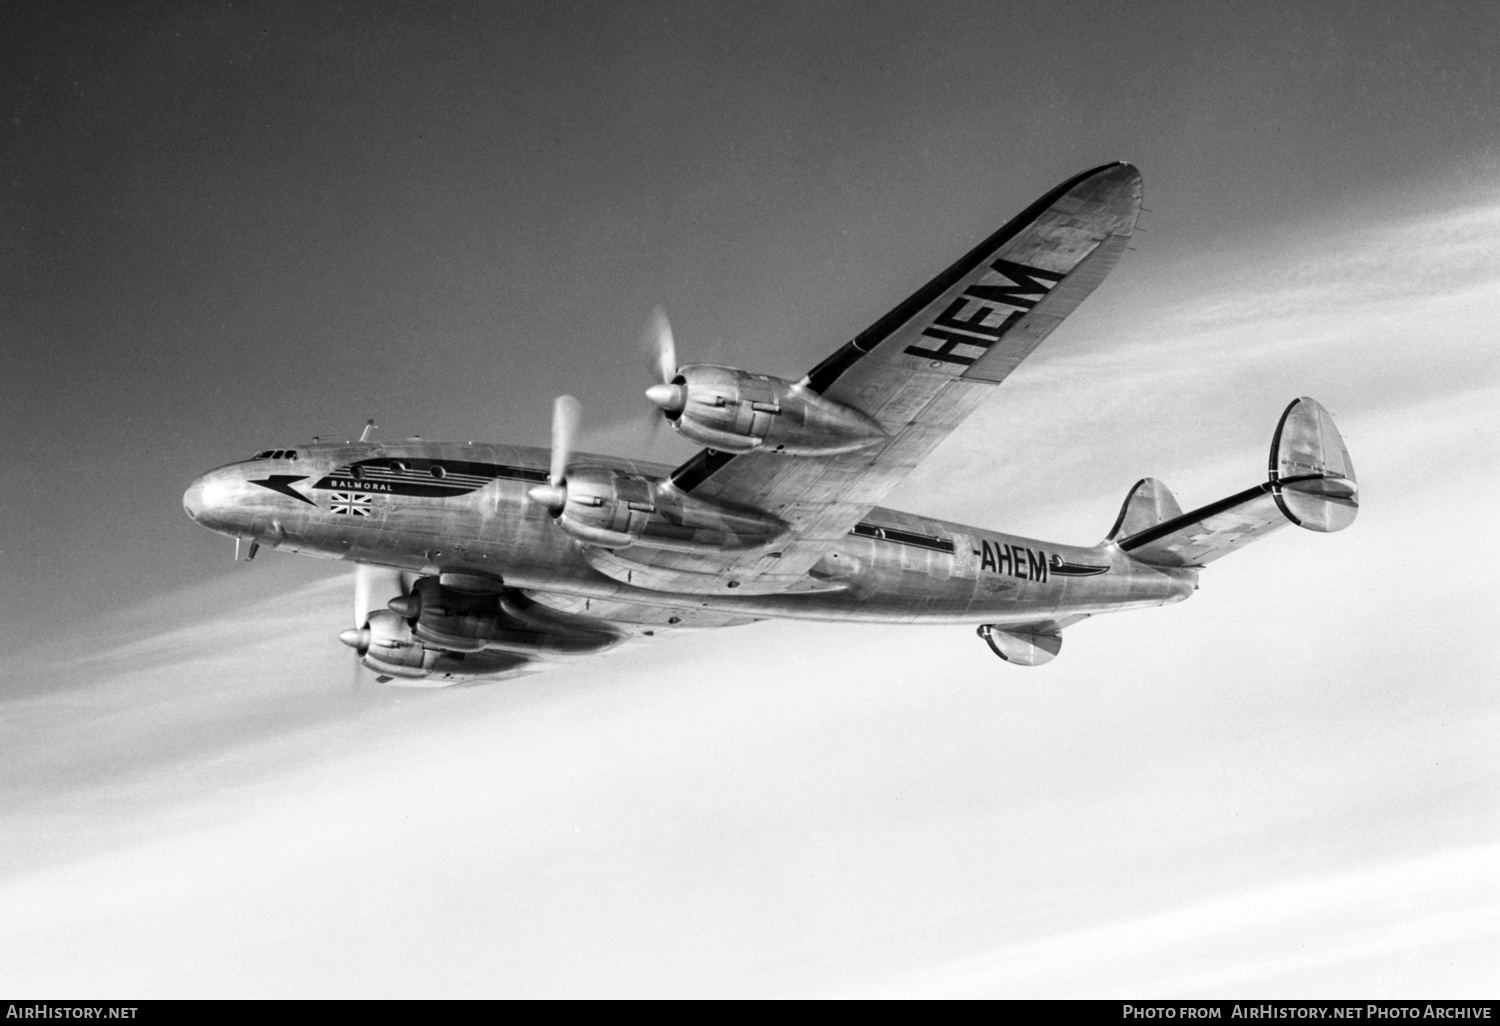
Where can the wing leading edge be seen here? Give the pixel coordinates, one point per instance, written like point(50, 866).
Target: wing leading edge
point(919, 371)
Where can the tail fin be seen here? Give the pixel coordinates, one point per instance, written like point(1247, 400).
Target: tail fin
point(1311, 485)
point(1148, 504)
point(1311, 470)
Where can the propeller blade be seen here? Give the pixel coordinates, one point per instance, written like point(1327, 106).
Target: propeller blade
point(365, 581)
point(566, 414)
point(372, 585)
point(648, 430)
point(660, 347)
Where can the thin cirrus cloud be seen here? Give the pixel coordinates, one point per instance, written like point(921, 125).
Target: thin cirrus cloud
point(1286, 786)
point(1221, 946)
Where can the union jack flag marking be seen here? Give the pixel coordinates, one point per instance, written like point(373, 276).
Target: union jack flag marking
point(350, 504)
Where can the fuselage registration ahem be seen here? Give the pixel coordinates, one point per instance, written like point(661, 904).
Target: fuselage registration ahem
point(1028, 564)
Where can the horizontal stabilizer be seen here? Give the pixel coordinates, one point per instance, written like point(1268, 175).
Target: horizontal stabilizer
point(1311, 485)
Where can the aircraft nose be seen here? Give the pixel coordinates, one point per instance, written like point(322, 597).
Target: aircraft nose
point(211, 500)
point(192, 500)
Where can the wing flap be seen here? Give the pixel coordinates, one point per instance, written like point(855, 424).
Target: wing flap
point(633, 616)
point(638, 574)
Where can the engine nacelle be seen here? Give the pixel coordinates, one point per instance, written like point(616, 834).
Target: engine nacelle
point(459, 622)
point(615, 510)
point(388, 645)
point(735, 411)
point(454, 620)
point(606, 507)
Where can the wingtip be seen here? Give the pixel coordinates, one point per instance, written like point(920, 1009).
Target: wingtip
point(1122, 171)
point(1122, 168)
point(1113, 191)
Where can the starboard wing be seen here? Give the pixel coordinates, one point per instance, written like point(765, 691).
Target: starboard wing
point(636, 618)
point(566, 628)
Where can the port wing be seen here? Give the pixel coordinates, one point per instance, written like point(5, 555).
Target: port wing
point(921, 370)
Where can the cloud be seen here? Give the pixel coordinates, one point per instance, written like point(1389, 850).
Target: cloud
point(1413, 926)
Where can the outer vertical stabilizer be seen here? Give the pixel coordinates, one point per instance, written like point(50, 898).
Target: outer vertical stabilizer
point(1311, 469)
point(1149, 503)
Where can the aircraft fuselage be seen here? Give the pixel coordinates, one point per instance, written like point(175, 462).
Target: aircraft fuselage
point(434, 507)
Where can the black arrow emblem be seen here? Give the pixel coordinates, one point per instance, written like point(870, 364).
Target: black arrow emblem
point(1063, 568)
point(283, 483)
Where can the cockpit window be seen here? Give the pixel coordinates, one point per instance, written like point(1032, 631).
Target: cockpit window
point(275, 454)
point(264, 454)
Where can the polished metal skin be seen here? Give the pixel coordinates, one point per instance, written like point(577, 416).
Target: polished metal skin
point(480, 561)
point(732, 411)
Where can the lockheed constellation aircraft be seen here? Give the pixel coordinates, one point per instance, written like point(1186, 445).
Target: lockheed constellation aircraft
point(480, 561)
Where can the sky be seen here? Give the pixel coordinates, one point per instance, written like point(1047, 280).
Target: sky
point(233, 227)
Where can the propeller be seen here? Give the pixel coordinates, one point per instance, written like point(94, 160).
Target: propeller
point(661, 349)
point(567, 412)
point(370, 583)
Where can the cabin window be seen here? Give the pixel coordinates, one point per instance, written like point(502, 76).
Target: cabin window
point(439, 473)
point(398, 466)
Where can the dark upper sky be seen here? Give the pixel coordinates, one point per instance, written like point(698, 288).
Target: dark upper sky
point(233, 226)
